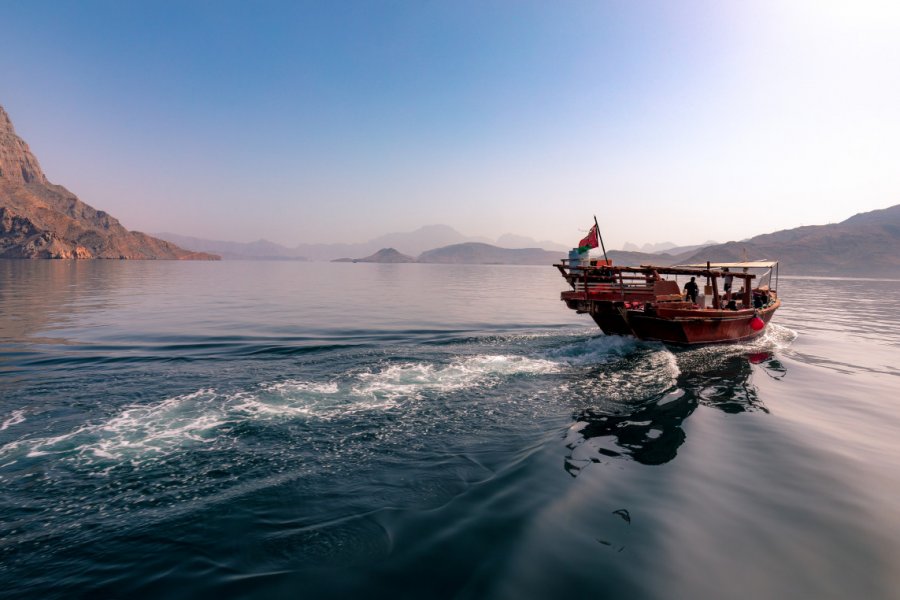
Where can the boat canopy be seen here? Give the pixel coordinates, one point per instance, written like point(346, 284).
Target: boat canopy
point(753, 264)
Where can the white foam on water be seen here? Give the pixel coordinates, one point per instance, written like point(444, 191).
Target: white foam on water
point(154, 430)
point(285, 399)
point(138, 433)
point(595, 350)
point(775, 337)
point(778, 336)
point(644, 375)
point(412, 380)
point(15, 417)
point(159, 428)
point(293, 385)
point(659, 369)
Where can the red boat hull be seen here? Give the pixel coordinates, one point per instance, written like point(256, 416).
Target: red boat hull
point(682, 327)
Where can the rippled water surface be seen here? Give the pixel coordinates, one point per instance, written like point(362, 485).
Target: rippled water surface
point(275, 429)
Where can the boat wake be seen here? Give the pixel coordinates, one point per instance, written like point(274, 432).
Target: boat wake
point(593, 368)
point(152, 431)
point(14, 418)
point(596, 349)
point(411, 380)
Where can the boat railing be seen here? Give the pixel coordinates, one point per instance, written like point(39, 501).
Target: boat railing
point(598, 277)
point(658, 286)
point(591, 286)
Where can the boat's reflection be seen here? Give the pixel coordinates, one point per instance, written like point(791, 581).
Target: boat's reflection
point(652, 433)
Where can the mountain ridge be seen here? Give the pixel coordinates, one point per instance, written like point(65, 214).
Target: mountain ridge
point(413, 243)
point(866, 244)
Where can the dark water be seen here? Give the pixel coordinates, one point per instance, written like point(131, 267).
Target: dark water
point(264, 430)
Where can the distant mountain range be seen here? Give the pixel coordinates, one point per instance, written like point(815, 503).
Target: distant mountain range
point(41, 220)
point(258, 250)
point(411, 243)
point(476, 253)
point(867, 244)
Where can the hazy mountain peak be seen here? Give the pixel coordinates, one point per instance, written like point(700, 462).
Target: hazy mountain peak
point(649, 248)
point(512, 240)
point(419, 240)
point(436, 228)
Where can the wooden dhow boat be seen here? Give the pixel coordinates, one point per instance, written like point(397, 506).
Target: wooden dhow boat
point(647, 301)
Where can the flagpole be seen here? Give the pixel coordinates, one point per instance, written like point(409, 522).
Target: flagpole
point(597, 225)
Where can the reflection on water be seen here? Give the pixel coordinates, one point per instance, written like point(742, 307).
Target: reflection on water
point(40, 298)
point(722, 381)
point(768, 364)
point(652, 433)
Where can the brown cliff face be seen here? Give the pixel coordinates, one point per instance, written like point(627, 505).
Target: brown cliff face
point(17, 163)
point(42, 220)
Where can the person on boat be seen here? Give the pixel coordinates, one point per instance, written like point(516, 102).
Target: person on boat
point(727, 280)
point(691, 290)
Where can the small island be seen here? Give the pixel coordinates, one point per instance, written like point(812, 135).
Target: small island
point(385, 255)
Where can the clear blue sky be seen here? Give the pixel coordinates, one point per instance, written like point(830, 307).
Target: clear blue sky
point(313, 122)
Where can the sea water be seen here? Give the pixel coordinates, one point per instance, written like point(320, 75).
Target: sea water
point(288, 429)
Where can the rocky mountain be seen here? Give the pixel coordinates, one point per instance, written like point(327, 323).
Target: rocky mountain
point(865, 245)
point(41, 220)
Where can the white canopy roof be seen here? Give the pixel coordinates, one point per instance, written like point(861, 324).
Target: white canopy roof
point(753, 264)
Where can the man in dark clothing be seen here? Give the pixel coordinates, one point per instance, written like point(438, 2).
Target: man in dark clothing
point(691, 289)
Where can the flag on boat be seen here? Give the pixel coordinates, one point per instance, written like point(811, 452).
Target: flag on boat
point(590, 240)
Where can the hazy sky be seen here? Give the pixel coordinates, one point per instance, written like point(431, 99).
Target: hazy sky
point(327, 121)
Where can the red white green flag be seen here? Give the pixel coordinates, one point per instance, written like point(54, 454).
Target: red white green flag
point(590, 240)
